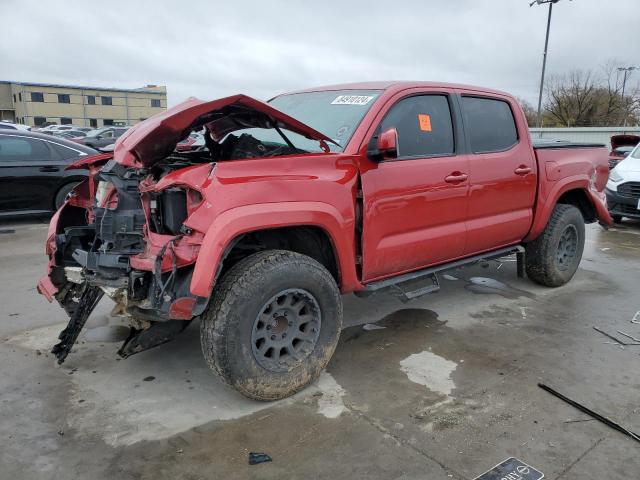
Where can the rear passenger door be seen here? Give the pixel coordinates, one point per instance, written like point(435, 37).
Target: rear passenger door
point(415, 205)
point(502, 172)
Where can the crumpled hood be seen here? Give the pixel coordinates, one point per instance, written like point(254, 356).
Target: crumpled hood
point(155, 138)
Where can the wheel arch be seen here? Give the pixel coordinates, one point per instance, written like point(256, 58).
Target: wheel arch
point(277, 225)
point(573, 191)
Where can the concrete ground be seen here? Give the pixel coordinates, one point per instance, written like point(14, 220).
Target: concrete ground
point(446, 389)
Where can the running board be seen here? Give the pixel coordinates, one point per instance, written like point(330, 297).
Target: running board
point(373, 287)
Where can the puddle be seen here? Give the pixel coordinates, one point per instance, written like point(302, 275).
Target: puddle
point(431, 370)
point(492, 286)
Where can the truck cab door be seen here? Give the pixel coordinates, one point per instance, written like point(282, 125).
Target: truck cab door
point(502, 172)
point(415, 205)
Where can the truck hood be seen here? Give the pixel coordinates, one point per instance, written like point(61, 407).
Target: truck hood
point(155, 138)
point(624, 141)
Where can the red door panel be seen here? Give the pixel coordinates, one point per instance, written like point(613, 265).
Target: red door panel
point(412, 216)
point(502, 184)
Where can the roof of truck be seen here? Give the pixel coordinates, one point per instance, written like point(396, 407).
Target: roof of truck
point(397, 86)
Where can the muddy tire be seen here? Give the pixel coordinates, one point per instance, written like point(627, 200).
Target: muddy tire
point(272, 324)
point(553, 258)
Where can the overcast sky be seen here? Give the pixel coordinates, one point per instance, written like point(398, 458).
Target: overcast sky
point(210, 49)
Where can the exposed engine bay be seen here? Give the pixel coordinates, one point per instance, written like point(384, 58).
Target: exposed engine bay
point(122, 232)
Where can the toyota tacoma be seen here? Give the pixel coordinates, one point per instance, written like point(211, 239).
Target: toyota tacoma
point(292, 202)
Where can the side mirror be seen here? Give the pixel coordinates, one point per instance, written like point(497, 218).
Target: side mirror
point(98, 137)
point(386, 145)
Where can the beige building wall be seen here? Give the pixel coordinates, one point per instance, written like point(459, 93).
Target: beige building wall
point(87, 107)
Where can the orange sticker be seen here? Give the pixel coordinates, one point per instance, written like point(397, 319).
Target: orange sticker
point(425, 122)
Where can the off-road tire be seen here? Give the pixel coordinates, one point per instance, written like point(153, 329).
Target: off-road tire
point(228, 322)
point(542, 254)
point(617, 218)
point(61, 196)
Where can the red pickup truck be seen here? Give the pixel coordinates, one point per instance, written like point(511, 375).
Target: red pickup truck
point(293, 202)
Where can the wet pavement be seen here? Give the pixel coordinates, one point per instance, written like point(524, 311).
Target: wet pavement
point(444, 386)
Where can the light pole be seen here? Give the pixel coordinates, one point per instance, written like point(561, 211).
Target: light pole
point(544, 55)
point(627, 71)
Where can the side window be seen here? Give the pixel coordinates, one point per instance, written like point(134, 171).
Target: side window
point(64, 152)
point(108, 134)
point(424, 126)
point(489, 124)
point(16, 149)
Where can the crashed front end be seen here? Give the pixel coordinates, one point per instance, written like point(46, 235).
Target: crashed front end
point(123, 233)
point(134, 228)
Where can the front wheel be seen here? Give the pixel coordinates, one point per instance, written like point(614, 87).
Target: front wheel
point(272, 324)
point(553, 258)
point(63, 193)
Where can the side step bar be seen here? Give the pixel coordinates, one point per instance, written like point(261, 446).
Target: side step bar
point(373, 287)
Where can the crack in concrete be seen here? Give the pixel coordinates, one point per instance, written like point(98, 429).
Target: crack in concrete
point(375, 423)
point(584, 454)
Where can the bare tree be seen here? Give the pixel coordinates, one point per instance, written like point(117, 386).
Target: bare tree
point(587, 98)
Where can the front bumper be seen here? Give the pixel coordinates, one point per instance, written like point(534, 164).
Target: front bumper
point(622, 205)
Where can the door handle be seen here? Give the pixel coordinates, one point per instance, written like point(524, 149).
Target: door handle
point(522, 170)
point(456, 177)
point(49, 169)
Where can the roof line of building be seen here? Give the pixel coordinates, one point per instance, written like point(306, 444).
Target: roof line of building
point(151, 89)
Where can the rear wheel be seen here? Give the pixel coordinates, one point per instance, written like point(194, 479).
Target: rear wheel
point(65, 190)
point(272, 324)
point(553, 258)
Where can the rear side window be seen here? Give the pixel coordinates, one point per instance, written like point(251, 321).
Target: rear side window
point(16, 149)
point(489, 124)
point(423, 124)
point(64, 153)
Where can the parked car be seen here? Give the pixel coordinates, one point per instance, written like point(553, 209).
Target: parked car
point(33, 178)
point(5, 125)
point(623, 187)
point(102, 137)
point(621, 146)
point(73, 135)
point(317, 193)
point(55, 128)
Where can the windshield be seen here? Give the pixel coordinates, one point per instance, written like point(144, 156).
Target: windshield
point(636, 152)
point(336, 113)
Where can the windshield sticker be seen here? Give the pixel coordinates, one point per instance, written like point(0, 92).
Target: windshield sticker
point(352, 100)
point(425, 122)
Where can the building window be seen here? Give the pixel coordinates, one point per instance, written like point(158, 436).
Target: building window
point(107, 122)
point(39, 121)
point(91, 99)
point(65, 121)
point(93, 122)
point(107, 101)
point(155, 102)
point(37, 97)
point(14, 98)
point(64, 98)
point(20, 96)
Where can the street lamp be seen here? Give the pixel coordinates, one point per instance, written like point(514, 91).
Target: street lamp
point(627, 71)
point(544, 55)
